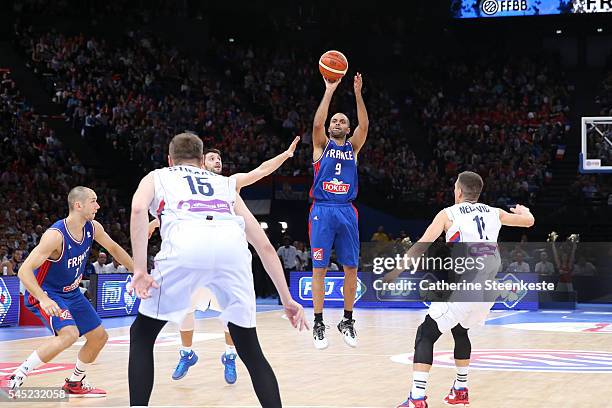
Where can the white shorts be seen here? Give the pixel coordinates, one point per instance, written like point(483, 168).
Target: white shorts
point(203, 299)
point(467, 314)
point(468, 308)
point(210, 254)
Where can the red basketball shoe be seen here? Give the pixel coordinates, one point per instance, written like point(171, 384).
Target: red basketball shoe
point(82, 389)
point(412, 403)
point(457, 397)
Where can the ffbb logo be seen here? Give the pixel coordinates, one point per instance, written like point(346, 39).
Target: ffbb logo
point(492, 7)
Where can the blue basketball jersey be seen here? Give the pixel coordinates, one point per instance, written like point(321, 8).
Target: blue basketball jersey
point(335, 174)
point(64, 274)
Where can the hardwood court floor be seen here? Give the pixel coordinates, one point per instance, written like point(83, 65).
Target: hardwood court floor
point(338, 376)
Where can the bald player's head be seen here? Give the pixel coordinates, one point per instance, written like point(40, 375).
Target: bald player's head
point(83, 201)
point(339, 126)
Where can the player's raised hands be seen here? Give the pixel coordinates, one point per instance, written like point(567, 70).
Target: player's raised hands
point(293, 146)
point(141, 283)
point(358, 83)
point(295, 314)
point(331, 85)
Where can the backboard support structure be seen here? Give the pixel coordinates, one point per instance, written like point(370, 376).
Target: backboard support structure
point(596, 151)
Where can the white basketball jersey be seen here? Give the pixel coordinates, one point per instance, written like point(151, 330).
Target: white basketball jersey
point(473, 222)
point(190, 193)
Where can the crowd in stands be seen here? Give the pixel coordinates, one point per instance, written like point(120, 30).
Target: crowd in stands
point(503, 119)
point(36, 173)
point(142, 92)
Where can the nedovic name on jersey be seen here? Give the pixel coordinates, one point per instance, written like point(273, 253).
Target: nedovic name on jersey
point(473, 222)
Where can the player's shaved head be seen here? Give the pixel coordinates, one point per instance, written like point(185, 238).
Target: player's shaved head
point(340, 116)
point(470, 184)
point(79, 194)
point(186, 147)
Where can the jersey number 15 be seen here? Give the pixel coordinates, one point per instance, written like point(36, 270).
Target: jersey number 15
point(200, 186)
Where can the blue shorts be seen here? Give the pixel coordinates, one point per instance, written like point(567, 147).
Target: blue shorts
point(76, 311)
point(334, 225)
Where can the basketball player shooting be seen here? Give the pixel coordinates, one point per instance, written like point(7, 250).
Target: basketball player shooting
point(202, 299)
point(51, 274)
point(471, 222)
point(333, 220)
point(203, 246)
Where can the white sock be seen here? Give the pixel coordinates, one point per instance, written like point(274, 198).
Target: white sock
point(462, 378)
point(186, 349)
point(79, 371)
point(31, 364)
point(230, 349)
point(419, 384)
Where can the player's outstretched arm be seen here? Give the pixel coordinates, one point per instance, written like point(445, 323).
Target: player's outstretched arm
point(319, 137)
point(102, 238)
point(51, 242)
point(435, 229)
point(257, 237)
point(520, 217)
point(139, 221)
point(266, 168)
point(361, 131)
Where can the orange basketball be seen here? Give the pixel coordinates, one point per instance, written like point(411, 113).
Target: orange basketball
point(333, 65)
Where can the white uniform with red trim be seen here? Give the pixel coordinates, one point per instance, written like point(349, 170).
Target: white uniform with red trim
point(476, 225)
point(204, 252)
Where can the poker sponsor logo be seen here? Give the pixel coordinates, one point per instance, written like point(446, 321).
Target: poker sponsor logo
point(336, 187)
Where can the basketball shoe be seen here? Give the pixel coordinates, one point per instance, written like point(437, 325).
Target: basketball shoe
point(11, 382)
point(318, 334)
point(457, 397)
point(82, 389)
point(414, 403)
point(229, 361)
point(347, 328)
point(187, 360)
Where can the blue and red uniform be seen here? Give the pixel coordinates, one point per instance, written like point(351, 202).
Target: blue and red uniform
point(60, 278)
point(333, 219)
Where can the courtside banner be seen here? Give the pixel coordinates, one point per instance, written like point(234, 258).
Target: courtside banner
point(509, 275)
point(415, 291)
point(516, 8)
point(9, 301)
point(113, 298)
